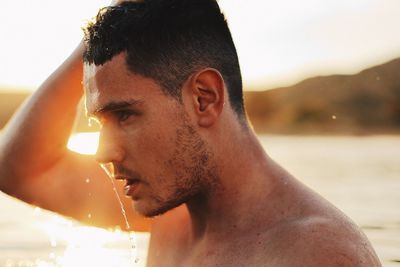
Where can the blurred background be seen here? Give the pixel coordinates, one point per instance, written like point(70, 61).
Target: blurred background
point(322, 90)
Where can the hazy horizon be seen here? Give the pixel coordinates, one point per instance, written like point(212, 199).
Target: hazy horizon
point(256, 87)
point(279, 43)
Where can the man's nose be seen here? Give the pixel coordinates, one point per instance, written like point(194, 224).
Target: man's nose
point(110, 148)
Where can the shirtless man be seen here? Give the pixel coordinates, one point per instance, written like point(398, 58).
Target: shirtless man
point(163, 80)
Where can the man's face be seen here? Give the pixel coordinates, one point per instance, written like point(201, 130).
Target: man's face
point(147, 137)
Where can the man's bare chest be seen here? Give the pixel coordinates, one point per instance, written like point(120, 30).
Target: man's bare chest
point(227, 252)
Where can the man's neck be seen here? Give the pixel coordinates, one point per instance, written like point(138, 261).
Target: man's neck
point(246, 179)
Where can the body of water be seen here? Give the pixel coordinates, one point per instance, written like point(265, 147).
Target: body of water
point(360, 175)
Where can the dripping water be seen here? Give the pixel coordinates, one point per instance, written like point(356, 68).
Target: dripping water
point(132, 237)
point(109, 174)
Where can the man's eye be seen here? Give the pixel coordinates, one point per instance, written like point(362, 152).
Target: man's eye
point(123, 115)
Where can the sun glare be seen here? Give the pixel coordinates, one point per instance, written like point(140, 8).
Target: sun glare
point(78, 245)
point(278, 42)
point(84, 143)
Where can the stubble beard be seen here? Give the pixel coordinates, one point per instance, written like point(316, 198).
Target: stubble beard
point(195, 174)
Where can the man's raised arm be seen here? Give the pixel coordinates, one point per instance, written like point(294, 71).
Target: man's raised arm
point(36, 166)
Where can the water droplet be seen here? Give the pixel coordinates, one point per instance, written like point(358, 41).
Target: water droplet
point(333, 117)
point(87, 180)
point(37, 210)
point(93, 122)
point(89, 215)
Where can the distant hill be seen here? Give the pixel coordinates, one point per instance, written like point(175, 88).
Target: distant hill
point(368, 102)
point(9, 103)
point(364, 103)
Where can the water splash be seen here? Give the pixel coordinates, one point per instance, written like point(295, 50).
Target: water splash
point(108, 169)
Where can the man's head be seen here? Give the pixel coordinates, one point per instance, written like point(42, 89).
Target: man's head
point(167, 41)
point(156, 73)
point(150, 139)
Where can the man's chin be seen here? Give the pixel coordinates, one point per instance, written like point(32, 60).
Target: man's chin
point(152, 211)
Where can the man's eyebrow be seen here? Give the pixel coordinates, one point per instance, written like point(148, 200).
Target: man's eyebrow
point(113, 105)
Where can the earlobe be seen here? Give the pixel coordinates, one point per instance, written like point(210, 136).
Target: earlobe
point(208, 91)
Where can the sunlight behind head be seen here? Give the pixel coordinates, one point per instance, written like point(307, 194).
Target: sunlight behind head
point(278, 43)
point(84, 143)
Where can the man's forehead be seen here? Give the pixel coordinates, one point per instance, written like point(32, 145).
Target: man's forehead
point(106, 82)
point(101, 86)
point(92, 94)
point(91, 74)
point(89, 71)
point(112, 82)
point(115, 67)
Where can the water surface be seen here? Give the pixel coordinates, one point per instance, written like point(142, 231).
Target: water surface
point(360, 175)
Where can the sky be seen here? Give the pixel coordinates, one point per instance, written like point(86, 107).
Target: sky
point(279, 42)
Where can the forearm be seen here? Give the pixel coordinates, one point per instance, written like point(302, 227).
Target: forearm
point(36, 136)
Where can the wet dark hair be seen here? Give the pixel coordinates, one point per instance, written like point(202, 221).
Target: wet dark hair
point(167, 40)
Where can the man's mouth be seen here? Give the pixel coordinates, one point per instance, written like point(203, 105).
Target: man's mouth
point(131, 182)
point(131, 186)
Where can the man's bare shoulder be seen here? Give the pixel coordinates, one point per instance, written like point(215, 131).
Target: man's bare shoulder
point(320, 241)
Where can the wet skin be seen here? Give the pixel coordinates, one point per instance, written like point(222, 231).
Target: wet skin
point(226, 202)
point(146, 137)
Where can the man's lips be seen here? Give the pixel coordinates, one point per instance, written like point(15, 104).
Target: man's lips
point(130, 188)
point(131, 184)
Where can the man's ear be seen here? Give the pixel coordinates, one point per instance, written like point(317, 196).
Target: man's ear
point(207, 90)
